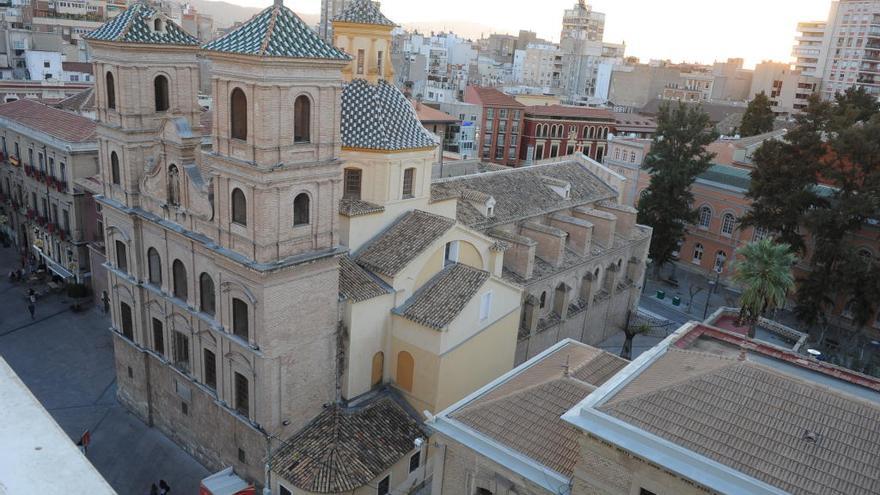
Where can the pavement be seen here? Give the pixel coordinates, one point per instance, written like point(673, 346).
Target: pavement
point(66, 359)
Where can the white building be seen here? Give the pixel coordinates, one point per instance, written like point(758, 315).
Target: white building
point(43, 66)
point(810, 48)
point(852, 42)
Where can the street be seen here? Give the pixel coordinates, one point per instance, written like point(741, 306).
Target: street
point(66, 359)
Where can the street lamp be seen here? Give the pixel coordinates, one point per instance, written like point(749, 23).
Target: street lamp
point(718, 269)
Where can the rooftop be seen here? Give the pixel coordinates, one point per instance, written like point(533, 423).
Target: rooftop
point(441, 299)
point(80, 102)
point(84, 67)
point(393, 249)
point(379, 117)
point(430, 115)
point(492, 97)
point(357, 284)
point(569, 112)
point(135, 25)
point(59, 124)
point(726, 175)
point(363, 12)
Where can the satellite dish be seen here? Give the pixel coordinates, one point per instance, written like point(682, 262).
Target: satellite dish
point(814, 352)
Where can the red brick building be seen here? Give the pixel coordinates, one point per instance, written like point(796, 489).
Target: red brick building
point(500, 126)
point(556, 130)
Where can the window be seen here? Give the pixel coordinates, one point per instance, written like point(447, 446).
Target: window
point(239, 207)
point(157, 25)
point(206, 294)
point(698, 254)
point(380, 63)
point(405, 366)
point(173, 186)
point(283, 491)
point(210, 363)
point(301, 209)
point(378, 369)
point(180, 343)
point(352, 186)
point(642, 491)
point(154, 267)
point(705, 217)
point(178, 272)
point(727, 224)
point(114, 167)
point(242, 458)
point(360, 62)
point(46, 65)
point(240, 318)
point(485, 306)
point(160, 92)
point(158, 337)
point(126, 321)
point(121, 258)
point(408, 180)
point(111, 91)
point(760, 234)
point(450, 255)
point(415, 461)
point(384, 486)
point(542, 301)
point(302, 120)
point(242, 402)
point(62, 172)
point(238, 114)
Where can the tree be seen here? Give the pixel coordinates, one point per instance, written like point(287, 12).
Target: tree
point(766, 278)
point(758, 118)
point(629, 334)
point(678, 155)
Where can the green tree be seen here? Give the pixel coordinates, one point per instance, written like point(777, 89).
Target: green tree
point(758, 118)
point(678, 155)
point(765, 275)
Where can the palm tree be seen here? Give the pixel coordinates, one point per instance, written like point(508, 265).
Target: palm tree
point(766, 278)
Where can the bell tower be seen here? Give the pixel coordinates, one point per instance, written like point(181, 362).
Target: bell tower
point(362, 31)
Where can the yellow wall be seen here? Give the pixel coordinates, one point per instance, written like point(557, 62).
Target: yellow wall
point(371, 39)
point(426, 370)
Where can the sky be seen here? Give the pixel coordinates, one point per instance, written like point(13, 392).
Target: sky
point(680, 30)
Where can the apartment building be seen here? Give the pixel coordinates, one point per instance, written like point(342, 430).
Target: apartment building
point(788, 89)
point(550, 131)
point(501, 124)
point(811, 48)
point(852, 47)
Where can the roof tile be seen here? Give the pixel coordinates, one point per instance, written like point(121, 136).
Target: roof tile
point(401, 243)
point(379, 117)
point(441, 299)
point(363, 12)
point(57, 123)
point(134, 26)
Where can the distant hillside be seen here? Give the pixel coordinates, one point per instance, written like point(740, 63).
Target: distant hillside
point(465, 29)
point(226, 14)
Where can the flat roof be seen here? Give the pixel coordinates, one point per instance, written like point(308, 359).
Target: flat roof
point(37, 456)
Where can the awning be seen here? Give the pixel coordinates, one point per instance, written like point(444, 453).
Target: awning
point(56, 268)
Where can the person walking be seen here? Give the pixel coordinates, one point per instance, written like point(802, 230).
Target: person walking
point(32, 302)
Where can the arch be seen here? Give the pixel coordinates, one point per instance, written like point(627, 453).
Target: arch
point(409, 179)
point(160, 91)
point(111, 90)
point(352, 183)
point(154, 267)
point(207, 294)
point(705, 216)
point(114, 168)
point(238, 114)
point(405, 367)
point(302, 119)
point(301, 215)
point(239, 207)
point(240, 288)
point(698, 253)
point(173, 186)
point(378, 369)
point(158, 25)
point(178, 275)
point(728, 223)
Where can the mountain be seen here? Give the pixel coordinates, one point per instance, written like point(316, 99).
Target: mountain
point(226, 14)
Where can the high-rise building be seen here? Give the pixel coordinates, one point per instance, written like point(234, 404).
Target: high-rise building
point(329, 10)
point(582, 23)
point(810, 48)
point(583, 51)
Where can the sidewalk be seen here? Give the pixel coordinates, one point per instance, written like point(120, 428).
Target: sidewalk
point(66, 359)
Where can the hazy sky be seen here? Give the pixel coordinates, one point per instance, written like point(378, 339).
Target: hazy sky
point(682, 30)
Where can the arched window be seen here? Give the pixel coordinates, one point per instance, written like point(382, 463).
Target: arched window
point(121, 256)
point(760, 234)
point(238, 114)
point(409, 177)
point(405, 366)
point(239, 207)
point(157, 24)
point(154, 266)
point(111, 91)
point(160, 91)
point(114, 167)
point(378, 369)
point(705, 217)
point(542, 301)
point(240, 318)
point(352, 186)
point(720, 259)
point(206, 294)
point(698, 254)
point(301, 209)
point(728, 223)
point(173, 186)
point(302, 119)
point(178, 272)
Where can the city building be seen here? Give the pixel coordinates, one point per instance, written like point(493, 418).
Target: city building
point(43, 66)
point(691, 87)
point(788, 90)
point(329, 10)
point(541, 67)
point(470, 117)
point(445, 127)
point(363, 32)
point(851, 47)
point(45, 151)
point(811, 48)
point(634, 125)
point(555, 130)
point(625, 157)
point(730, 81)
point(45, 91)
point(77, 72)
point(500, 128)
point(634, 86)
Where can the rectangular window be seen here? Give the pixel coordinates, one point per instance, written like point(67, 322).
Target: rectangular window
point(408, 179)
point(352, 184)
point(121, 258)
point(414, 461)
point(65, 218)
point(242, 401)
point(126, 321)
point(502, 113)
point(158, 337)
point(450, 255)
point(384, 486)
point(360, 62)
point(554, 150)
point(210, 364)
point(181, 350)
point(485, 306)
point(490, 114)
point(380, 63)
point(240, 318)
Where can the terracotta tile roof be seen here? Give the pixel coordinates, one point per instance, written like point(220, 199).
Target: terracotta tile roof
point(800, 436)
point(441, 299)
point(57, 123)
point(569, 111)
point(357, 284)
point(275, 32)
point(493, 97)
point(363, 12)
point(342, 450)
point(134, 26)
point(379, 117)
point(401, 243)
point(634, 122)
point(356, 208)
point(84, 67)
point(82, 101)
point(521, 193)
point(429, 114)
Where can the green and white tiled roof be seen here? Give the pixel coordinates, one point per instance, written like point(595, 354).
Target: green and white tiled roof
point(135, 25)
point(363, 12)
point(379, 117)
point(276, 32)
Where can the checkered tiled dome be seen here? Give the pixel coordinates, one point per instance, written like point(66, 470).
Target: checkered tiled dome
point(275, 32)
point(379, 117)
point(135, 26)
point(364, 12)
